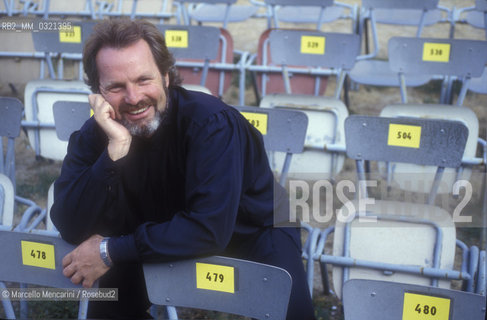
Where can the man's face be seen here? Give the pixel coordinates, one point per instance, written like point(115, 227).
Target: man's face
point(132, 84)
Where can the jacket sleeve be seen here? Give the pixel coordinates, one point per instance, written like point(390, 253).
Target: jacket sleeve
point(87, 199)
point(213, 183)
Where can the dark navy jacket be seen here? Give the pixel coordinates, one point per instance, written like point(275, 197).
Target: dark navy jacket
point(201, 185)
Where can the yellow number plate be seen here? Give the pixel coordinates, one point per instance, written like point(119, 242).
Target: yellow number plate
point(421, 307)
point(71, 35)
point(436, 52)
point(313, 45)
point(38, 254)
point(258, 120)
point(176, 38)
point(401, 135)
point(215, 277)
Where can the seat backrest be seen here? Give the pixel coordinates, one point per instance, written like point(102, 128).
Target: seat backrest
point(441, 57)
point(194, 48)
point(61, 37)
point(314, 48)
point(425, 142)
point(317, 3)
point(136, 9)
point(34, 259)
point(56, 39)
point(221, 284)
point(415, 13)
point(69, 116)
point(402, 173)
point(458, 57)
point(413, 140)
point(400, 4)
point(381, 300)
point(309, 12)
point(302, 51)
point(11, 111)
point(283, 130)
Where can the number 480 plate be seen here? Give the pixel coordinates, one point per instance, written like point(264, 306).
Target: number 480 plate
point(422, 307)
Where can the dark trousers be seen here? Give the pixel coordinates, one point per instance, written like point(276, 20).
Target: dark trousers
point(274, 246)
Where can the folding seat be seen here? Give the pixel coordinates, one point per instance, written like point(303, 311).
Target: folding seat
point(215, 11)
point(229, 285)
point(68, 116)
point(37, 260)
point(11, 111)
point(388, 239)
point(296, 54)
point(40, 95)
point(379, 300)
point(136, 9)
point(204, 57)
point(78, 9)
point(448, 59)
point(317, 12)
point(372, 67)
point(48, 8)
point(459, 58)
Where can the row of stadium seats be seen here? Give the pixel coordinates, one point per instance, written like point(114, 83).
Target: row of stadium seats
point(292, 68)
point(316, 12)
point(430, 245)
point(281, 62)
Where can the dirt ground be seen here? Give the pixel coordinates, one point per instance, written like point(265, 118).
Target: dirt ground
point(35, 175)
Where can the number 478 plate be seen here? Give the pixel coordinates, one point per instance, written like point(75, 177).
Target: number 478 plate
point(423, 307)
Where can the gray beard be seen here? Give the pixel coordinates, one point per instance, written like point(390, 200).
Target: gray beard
point(144, 130)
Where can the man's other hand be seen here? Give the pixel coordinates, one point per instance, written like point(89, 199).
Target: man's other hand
point(84, 264)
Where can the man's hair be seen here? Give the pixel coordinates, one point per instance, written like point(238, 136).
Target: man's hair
point(121, 33)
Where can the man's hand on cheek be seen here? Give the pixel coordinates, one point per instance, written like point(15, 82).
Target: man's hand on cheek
point(118, 136)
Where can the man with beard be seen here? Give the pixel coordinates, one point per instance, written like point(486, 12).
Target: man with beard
point(160, 173)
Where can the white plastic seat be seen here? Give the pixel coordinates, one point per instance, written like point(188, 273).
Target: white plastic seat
point(40, 96)
point(327, 114)
point(390, 239)
point(395, 242)
point(317, 12)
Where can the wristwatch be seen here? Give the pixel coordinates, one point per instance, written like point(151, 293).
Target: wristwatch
point(104, 252)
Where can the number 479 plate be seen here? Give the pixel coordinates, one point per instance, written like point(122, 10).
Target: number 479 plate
point(423, 307)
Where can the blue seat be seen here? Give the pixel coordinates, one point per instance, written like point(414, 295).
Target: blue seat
point(317, 12)
point(45, 270)
point(372, 67)
point(222, 284)
point(379, 300)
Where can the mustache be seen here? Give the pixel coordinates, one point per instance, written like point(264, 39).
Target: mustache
point(124, 107)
